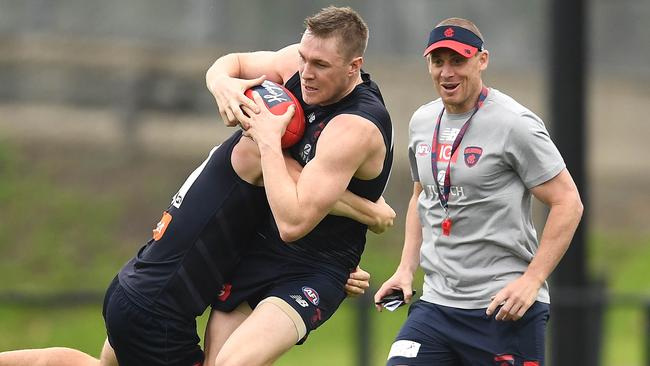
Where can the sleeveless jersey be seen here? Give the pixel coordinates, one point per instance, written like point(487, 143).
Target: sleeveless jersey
point(336, 240)
point(199, 240)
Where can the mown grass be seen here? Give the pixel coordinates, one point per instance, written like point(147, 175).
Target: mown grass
point(65, 230)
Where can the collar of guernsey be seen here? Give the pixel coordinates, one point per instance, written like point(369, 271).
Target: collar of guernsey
point(443, 194)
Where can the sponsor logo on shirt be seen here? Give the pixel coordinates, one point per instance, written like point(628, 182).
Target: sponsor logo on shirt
point(444, 153)
point(423, 149)
point(162, 226)
point(444, 149)
point(454, 191)
point(177, 200)
point(306, 150)
point(449, 134)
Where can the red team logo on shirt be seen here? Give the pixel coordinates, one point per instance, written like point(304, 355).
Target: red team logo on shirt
point(472, 154)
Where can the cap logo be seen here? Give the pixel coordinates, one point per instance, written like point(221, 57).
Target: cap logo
point(459, 39)
point(449, 32)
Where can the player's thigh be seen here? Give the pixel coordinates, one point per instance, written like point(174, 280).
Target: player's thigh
point(47, 357)
point(220, 326)
point(261, 339)
point(107, 357)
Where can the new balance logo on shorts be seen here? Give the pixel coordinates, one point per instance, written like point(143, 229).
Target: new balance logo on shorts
point(300, 300)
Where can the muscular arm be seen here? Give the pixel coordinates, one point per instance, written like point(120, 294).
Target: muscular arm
point(377, 215)
point(298, 206)
point(232, 74)
point(563, 199)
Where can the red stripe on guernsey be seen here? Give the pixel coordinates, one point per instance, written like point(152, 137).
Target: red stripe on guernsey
point(531, 363)
point(504, 360)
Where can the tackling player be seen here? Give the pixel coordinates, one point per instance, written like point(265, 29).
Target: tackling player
point(294, 273)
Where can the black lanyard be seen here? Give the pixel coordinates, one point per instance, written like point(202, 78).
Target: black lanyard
point(444, 194)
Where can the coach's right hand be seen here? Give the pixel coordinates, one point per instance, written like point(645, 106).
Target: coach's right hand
point(401, 280)
point(229, 95)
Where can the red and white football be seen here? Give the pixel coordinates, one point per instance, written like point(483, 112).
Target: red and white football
point(278, 99)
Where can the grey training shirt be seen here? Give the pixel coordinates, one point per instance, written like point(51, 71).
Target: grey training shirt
point(505, 152)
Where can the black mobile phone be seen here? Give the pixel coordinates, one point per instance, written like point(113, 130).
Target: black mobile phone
point(395, 295)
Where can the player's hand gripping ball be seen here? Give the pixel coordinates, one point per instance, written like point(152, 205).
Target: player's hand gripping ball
point(277, 100)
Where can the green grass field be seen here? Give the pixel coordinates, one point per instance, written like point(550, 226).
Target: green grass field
point(62, 230)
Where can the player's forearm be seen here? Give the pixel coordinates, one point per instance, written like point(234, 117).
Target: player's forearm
point(224, 66)
point(561, 224)
point(356, 208)
point(349, 205)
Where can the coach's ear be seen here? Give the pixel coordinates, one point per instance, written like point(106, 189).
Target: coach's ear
point(483, 59)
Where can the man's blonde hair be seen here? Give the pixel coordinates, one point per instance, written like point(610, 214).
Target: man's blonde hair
point(344, 23)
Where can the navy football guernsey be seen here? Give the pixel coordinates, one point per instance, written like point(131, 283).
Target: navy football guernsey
point(198, 241)
point(336, 240)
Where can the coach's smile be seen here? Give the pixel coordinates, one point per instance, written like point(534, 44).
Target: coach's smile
point(450, 87)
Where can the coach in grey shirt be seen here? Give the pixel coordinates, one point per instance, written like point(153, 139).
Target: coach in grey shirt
point(477, 157)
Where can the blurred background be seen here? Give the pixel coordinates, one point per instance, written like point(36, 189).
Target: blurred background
point(104, 112)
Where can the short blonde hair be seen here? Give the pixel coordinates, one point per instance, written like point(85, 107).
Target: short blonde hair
point(344, 23)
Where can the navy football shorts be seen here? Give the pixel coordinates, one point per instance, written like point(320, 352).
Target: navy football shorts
point(308, 296)
point(142, 338)
point(446, 336)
